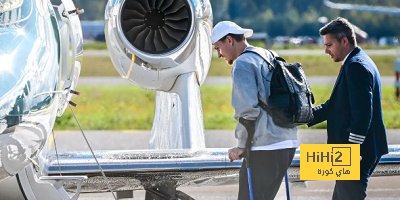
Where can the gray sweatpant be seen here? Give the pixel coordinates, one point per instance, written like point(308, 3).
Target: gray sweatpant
point(267, 171)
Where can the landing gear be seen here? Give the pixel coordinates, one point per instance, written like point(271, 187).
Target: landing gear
point(166, 192)
point(34, 187)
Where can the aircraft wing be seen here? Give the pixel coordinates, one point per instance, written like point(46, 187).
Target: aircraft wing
point(379, 9)
point(134, 169)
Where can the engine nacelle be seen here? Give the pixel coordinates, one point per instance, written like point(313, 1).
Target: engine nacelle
point(152, 42)
point(165, 45)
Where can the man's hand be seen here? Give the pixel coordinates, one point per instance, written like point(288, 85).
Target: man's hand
point(234, 153)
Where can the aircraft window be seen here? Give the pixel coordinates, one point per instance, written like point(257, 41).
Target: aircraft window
point(14, 11)
point(6, 5)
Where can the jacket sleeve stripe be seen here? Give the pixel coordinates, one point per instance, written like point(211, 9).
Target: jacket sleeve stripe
point(355, 141)
point(358, 139)
point(317, 108)
point(359, 136)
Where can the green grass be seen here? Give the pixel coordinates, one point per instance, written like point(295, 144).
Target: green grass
point(314, 65)
point(130, 107)
point(97, 66)
point(95, 46)
point(322, 65)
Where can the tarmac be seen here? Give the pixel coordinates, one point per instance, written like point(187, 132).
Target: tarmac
point(212, 80)
point(138, 139)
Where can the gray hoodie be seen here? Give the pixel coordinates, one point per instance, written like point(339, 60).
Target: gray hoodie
point(251, 82)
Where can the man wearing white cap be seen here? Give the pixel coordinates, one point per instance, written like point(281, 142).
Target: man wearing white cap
point(272, 147)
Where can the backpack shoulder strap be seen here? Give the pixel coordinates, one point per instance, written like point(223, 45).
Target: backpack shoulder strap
point(276, 57)
point(270, 66)
point(273, 53)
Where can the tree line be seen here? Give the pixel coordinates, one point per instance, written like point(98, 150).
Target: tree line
point(283, 17)
point(300, 17)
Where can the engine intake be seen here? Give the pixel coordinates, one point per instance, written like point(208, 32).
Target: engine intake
point(156, 26)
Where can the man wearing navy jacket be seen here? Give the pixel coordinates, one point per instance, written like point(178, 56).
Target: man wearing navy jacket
point(353, 111)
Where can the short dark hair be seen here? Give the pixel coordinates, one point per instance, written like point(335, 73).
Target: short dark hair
point(236, 37)
point(340, 28)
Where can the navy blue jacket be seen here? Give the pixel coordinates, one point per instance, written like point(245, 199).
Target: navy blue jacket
point(353, 111)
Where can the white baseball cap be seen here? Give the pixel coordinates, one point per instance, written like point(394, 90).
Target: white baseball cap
point(225, 27)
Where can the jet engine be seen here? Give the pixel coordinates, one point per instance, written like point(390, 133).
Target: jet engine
point(164, 45)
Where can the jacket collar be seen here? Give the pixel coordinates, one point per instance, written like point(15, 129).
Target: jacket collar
point(352, 53)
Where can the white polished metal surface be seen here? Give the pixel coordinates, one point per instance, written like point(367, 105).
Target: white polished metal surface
point(36, 77)
point(176, 75)
point(29, 77)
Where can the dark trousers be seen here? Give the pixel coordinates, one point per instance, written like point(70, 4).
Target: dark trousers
point(356, 189)
point(267, 171)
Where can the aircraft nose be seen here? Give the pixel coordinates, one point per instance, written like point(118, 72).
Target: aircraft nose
point(29, 67)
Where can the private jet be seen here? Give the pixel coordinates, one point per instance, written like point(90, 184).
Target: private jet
point(161, 45)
